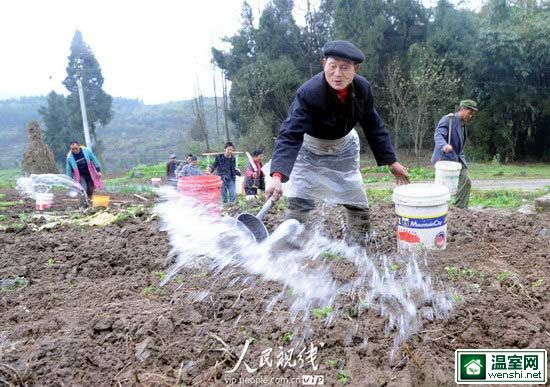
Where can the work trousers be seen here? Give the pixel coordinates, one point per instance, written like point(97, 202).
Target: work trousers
point(357, 218)
point(463, 191)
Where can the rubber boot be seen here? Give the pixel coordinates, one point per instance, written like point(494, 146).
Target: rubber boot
point(299, 209)
point(357, 225)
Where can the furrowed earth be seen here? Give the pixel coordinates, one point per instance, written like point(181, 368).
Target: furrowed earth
point(90, 310)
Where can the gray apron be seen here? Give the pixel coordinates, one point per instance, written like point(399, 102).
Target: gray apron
point(328, 171)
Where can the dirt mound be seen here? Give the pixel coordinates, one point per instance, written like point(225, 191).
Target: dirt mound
point(93, 314)
point(38, 157)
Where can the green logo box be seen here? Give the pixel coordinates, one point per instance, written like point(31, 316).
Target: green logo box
point(500, 366)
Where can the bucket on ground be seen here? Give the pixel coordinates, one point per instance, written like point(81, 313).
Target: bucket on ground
point(422, 216)
point(155, 181)
point(44, 200)
point(206, 189)
point(447, 173)
point(100, 200)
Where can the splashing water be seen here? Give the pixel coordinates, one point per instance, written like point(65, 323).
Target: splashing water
point(295, 260)
point(29, 186)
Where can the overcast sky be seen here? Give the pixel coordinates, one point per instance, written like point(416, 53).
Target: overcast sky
point(151, 50)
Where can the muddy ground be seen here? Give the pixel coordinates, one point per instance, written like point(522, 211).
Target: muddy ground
point(92, 312)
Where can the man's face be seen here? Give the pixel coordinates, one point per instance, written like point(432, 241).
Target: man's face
point(229, 151)
point(75, 148)
point(467, 114)
point(338, 72)
point(194, 163)
point(188, 159)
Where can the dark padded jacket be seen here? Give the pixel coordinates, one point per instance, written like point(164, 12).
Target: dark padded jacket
point(317, 112)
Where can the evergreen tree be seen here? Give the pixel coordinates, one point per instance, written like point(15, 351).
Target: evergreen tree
point(58, 134)
point(83, 65)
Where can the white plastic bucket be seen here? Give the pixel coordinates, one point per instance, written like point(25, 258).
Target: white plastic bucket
point(239, 185)
point(422, 216)
point(44, 200)
point(447, 173)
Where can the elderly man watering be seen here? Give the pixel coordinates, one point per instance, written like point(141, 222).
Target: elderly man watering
point(317, 150)
point(449, 138)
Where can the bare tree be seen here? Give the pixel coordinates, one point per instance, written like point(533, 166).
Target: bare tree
point(199, 126)
point(415, 102)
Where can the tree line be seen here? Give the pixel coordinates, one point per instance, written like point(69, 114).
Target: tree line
point(420, 61)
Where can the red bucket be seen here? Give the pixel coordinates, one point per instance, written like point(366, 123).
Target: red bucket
point(206, 189)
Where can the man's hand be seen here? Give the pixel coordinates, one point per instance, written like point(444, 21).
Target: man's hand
point(255, 175)
point(208, 171)
point(400, 173)
point(447, 148)
point(275, 189)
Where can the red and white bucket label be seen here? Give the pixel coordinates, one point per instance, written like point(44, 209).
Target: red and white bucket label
point(427, 232)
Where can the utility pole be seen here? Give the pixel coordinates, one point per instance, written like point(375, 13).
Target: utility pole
point(225, 107)
point(309, 33)
point(84, 115)
point(216, 104)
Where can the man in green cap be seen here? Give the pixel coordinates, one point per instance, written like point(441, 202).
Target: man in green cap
point(449, 145)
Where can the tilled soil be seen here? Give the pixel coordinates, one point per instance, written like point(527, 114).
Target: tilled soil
point(93, 313)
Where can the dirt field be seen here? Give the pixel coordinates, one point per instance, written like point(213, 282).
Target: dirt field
point(92, 313)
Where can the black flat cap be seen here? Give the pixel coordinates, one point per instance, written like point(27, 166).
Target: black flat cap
point(344, 50)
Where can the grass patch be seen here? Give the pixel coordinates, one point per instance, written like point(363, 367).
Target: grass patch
point(477, 171)
point(380, 195)
point(504, 198)
point(8, 204)
point(495, 170)
point(8, 178)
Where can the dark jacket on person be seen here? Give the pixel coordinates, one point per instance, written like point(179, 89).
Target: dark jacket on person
point(171, 167)
point(226, 167)
point(317, 112)
point(458, 138)
point(252, 185)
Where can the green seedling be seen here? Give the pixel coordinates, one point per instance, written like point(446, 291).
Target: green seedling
point(322, 313)
point(538, 283)
point(180, 281)
point(160, 274)
point(3, 218)
point(394, 267)
point(51, 261)
point(287, 337)
point(151, 289)
point(343, 377)
point(457, 298)
point(503, 276)
point(328, 256)
point(467, 273)
point(476, 287)
point(333, 363)
point(452, 272)
point(14, 284)
point(363, 303)
point(371, 179)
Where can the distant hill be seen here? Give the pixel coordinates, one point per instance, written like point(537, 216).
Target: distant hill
point(138, 133)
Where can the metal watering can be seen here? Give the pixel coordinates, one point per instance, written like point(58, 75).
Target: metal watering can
point(253, 224)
